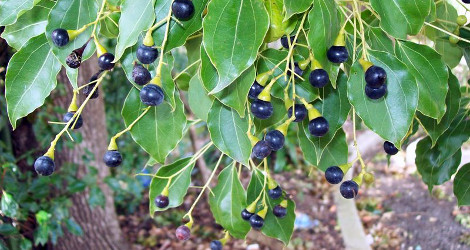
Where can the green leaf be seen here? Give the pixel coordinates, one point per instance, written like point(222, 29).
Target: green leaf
point(434, 128)
point(72, 15)
point(28, 25)
point(270, 58)
point(168, 85)
point(9, 206)
point(178, 33)
point(136, 16)
point(227, 200)
point(233, 34)
point(436, 165)
point(159, 130)
point(73, 227)
point(377, 39)
point(277, 26)
point(109, 26)
point(199, 102)
point(296, 6)
point(450, 54)
point(402, 17)
point(324, 28)
point(178, 187)
point(390, 117)
point(10, 10)
point(233, 96)
point(228, 132)
point(462, 185)
point(30, 78)
point(431, 75)
point(8, 229)
point(279, 228)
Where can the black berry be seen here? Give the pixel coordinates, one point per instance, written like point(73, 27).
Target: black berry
point(255, 89)
point(151, 95)
point(349, 189)
point(334, 175)
point(466, 1)
point(261, 150)
point(87, 90)
point(162, 201)
point(390, 148)
point(275, 193)
point(375, 76)
point(375, 94)
point(256, 222)
point(261, 109)
point(275, 139)
point(73, 60)
point(183, 233)
point(246, 215)
point(319, 126)
point(112, 158)
point(105, 61)
point(298, 71)
point(337, 54)
point(141, 75)
point(285, 42)
point(279, 211)
point(300, 112)
point(78, 122)
point(146, 54)
point(182, 9)
point(216, 245)
point(319, 78)
point(44, 166)
point(60, 37)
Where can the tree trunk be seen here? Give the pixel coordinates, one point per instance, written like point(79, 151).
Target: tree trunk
point(100, 225)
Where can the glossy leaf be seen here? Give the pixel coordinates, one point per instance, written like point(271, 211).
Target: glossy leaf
point(30, 78)
point(178, 33)
point(270, 58)
point(109, 27)
point(377, 39)
point(159, 130)
point(436, 165)
point(199, 102)
point(72, 15)
point(390, 117)
point(8, 205)
point(28, 25)
point(431, 75)
point(235, 95)
point(402, 17)
point(10, 10)
point(233, 34)
point(434, 128)
point(227, 201)
point(277, 25)
point(168, 85)
point(228, 132)
point(178, 187)
point(462, 185)
point(279, 228)
point(324, 24)
point(296, 6)
point(136, 17)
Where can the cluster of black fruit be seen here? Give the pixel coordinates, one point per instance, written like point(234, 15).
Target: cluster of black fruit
point(45, 165)
point(375, 82)
point(350, 188)
point(257, 219)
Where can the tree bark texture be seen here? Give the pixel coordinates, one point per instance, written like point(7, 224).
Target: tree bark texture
point(100, 225)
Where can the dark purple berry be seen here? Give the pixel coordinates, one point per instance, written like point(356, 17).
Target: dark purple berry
point(44, 166)
point(375, 77)
point(275, 193)
point(261, 150)
point(146, 54)
point(390, 148)
point(183, 233)
point(151, 95)
point(256, 222)
point(319, 126)
point(216, 245)
point(141, 75)
point(298, 71)
point(74, 124)
point(246, 215)
point(112, 158)
point(319, 78)
point(105, 61)
point(182, 9)
point(261, 109)
point(275, 139)
point(334, 175)
point(349, 189)
point(60, 37)
point(285, 42)
point(255, 90)
point(375, 94)
point(300, 112)
point(279, 211)
point(337, 54)
point(162, 201)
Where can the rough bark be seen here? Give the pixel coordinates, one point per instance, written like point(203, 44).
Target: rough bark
point(100, 225)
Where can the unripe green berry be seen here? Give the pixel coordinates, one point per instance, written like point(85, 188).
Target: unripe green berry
point(461, 20)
